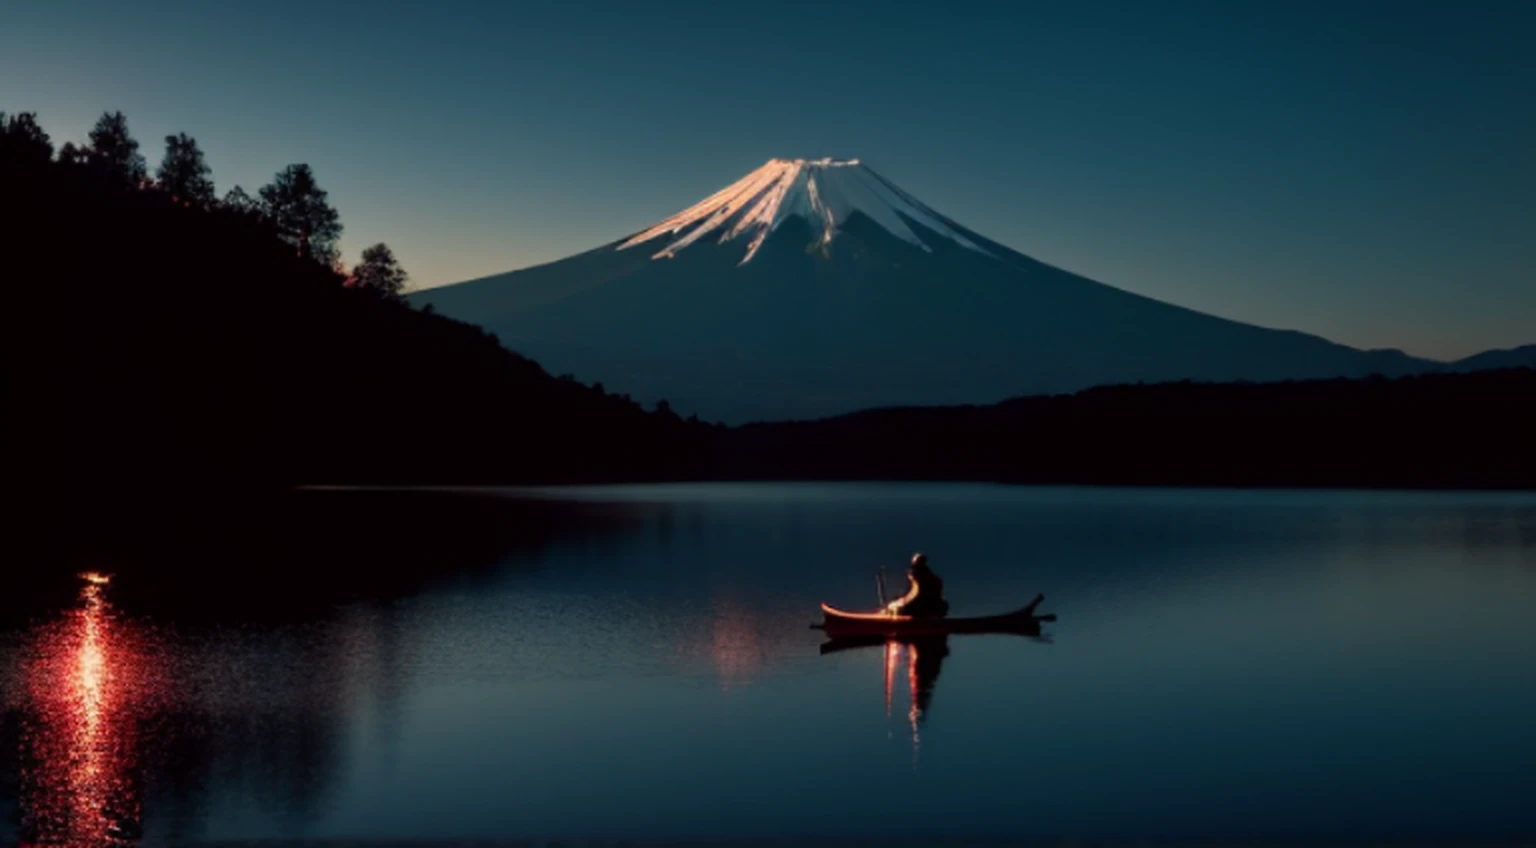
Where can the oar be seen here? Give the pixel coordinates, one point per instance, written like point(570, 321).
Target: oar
point(880, 585)
point(1031, 610)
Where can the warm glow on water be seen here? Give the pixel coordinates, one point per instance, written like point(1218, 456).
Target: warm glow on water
point(736, 647)
point(914, 689)
point(894, 652)
point(892, 659)
point(740, 643)
point(77, 780)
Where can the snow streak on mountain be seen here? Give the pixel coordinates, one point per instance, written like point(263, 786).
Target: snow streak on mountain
point(824, 192)
point(813, 287)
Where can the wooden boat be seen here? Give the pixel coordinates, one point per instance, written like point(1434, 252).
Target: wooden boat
point(843, 622)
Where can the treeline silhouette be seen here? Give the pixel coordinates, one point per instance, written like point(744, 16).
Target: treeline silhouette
point(1435, 431)
point(171, 361)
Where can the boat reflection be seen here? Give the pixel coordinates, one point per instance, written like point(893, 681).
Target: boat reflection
point(924, 655)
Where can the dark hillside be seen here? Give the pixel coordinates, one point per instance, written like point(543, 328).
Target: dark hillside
point(1433, 431)
point(166, 367)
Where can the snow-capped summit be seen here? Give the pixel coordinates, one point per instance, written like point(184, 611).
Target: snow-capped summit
point(812, 287)
point(824, 192)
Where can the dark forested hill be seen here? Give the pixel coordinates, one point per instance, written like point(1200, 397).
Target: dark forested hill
point(165, 364)
point(1442, 430)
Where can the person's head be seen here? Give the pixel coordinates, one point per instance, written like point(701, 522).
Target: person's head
point(919, 562)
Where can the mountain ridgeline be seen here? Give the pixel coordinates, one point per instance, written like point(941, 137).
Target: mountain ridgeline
point(1453, 430)
point(816, 288)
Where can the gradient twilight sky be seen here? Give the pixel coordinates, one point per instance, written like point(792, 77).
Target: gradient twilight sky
point(1361, 170)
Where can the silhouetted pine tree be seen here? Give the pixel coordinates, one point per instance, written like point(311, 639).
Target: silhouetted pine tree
point(72, 155)
point(301, 211)
point(183, 172)
point(22, 139)
point(380, 273)
point(114, 152)
point(236, 200)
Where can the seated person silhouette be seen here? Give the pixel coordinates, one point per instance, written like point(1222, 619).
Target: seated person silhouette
point(925, 593)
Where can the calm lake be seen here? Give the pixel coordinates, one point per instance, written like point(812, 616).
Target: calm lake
point(638, 661)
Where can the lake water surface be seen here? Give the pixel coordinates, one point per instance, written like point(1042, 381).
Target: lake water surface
point(1226, 663)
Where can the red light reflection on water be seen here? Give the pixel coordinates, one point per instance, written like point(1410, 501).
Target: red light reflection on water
point(736, 648)
point(895, 652)
point(77, 784)
point(914, 685)
point(739, 644)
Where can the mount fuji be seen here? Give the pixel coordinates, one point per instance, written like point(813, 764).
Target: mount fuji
point(810, 288)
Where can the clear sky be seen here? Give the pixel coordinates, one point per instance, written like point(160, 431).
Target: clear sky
point(1361, 170)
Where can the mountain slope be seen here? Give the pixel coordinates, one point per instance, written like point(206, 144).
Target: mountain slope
point(1517, 357)
point(812, 288)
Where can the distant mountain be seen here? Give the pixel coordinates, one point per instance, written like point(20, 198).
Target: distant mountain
point(1443, 430)
point(1519, 357)
point(815, 287)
